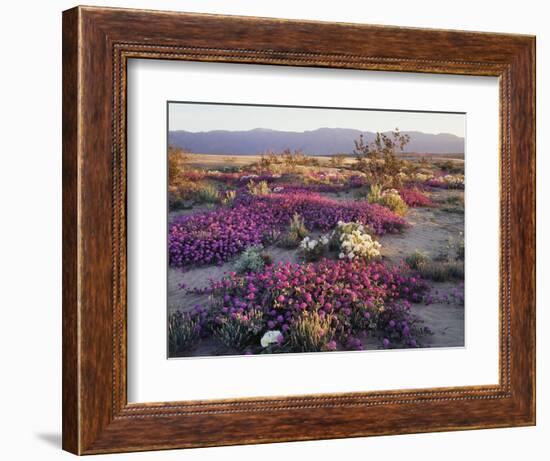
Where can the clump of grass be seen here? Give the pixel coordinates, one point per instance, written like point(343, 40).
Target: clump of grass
point(441, 269)
point(298, 227)
point(183, 332)
point(229, 197)
point(237, 331)
point(296, 233)
point(260, 188)
point(271, 236)
point(374, 194)
point(253, 259)
point(311, 333)
point(207, 193)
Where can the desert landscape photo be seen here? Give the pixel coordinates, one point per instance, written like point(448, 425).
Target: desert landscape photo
point(296, 230)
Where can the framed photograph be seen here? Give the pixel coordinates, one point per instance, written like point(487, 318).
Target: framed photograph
point(281, 230)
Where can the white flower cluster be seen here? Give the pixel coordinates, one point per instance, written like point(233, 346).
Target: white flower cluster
point(270, 337)
point(453, 180)
point(355, 242)
point(309, 243)
point(314, 249)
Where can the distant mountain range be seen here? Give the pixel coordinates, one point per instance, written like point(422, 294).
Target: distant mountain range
point(323, 141)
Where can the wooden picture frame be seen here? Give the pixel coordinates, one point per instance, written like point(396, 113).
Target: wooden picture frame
point(97, 43)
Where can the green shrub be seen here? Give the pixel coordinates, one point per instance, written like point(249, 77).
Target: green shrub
point(183, 332)
point(394, 202)
point(310, 333)
point(238, 331)
point(417, 259)
point(388, 198)
point(253, 259)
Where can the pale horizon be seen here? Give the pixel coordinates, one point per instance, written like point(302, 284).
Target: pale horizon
point(201, 117)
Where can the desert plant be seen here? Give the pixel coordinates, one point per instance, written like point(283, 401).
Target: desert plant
point(398, 327)
point(442, 271)
point(229, 197)
point(207, 193)
point(183, 332)
point(389, 198)
point(417, 259)
point(442, 268)
point(289, 241)
point(237, 331)
point(177, 163)
point(378, 159)
point(259, 188)
point(451, 167)
point(336, 161)
point(311, 333)
point(271, 236)
point(375, 194)
point(354, 241)
point(298, 227)
point(415, 198)
point(364, 318)
point(392, 200)
point(253, 259)
point(314, 249)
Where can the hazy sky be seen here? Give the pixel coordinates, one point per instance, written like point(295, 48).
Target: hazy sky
point(206, 117)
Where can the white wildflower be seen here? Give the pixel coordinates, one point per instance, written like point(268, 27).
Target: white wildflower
point(270, 337)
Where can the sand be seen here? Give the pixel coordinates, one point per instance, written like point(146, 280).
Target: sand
point(430, 232)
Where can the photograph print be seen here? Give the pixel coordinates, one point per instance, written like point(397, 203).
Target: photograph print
point(313, 229)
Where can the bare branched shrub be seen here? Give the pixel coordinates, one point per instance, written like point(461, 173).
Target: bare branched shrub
point(379, 158)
